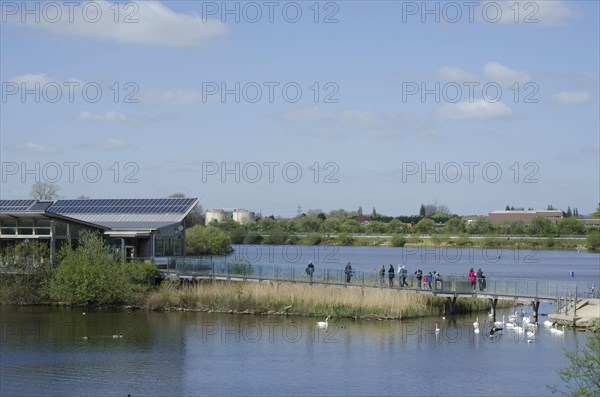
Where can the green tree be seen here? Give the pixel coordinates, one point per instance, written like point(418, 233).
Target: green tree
point(425, 226)
point(455, 225)
point(593, 241)
point(398, 240)
point(397, 226)
point(512, 227)
point(309, 223)
point(376, 227)
point(351, 226)
point(596, 214)
point(422, 210)
point(540, 226)
point(481, 225)
point(345, 239)
point(331, 225)
point(582, 377)
point(89, 275)
point(209, 240)
point(570, 226)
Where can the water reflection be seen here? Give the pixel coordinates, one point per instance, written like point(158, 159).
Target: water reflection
point(185, 353)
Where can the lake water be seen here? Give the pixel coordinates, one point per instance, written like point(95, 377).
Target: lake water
point(43, 351)
point(531, 264)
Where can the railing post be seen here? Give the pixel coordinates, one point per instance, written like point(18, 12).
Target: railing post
point(575, 303)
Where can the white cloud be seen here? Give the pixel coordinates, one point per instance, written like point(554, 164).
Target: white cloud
point(36, 148)
point(477, 110)
point(174, 98)
point(142, 22)
point(549, 13)
point(450, 73)
point(573, 98)
point(504, 75)
point(376, 125)
point(108, 117)
point(42, 79)
point(107, 144)
point(308, 114)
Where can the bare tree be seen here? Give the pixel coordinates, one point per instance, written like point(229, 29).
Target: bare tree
point(44, 191)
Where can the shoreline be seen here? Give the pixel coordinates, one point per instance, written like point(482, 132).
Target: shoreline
point(509, 242)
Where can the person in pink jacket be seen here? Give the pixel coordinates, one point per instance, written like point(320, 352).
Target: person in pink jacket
point(472, 278)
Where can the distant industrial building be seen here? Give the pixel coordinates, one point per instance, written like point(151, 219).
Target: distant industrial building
point(497, 217)
point(145, 228)
point(240, 216)
point(215, 215)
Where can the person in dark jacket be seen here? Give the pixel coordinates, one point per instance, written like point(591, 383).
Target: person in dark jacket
point(391, 275)
point(419, 277)
point(348, 271)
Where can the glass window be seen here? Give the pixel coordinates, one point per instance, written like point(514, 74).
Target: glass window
point(61, 229)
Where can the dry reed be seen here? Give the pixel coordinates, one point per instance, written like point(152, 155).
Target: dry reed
point(280, 297)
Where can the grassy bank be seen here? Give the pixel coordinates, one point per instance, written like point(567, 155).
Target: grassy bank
point(549, 243)
point(271, 298)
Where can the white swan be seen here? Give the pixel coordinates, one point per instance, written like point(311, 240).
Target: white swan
point(324, 324)
point(558, 331)
point(548, 323)
point(500, 323)
point(117, 336)
point(476, 323)
point(437, 329)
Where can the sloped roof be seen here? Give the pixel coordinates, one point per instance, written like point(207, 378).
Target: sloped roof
point(114, 214)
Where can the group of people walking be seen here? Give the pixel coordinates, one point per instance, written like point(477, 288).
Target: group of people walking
point(391, 272)
point(430, 280)
point(425, 281)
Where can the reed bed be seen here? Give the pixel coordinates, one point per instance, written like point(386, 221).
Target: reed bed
point(288, 298)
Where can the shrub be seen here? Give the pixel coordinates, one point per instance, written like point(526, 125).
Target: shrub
point(345, 239)
point(89, 276)
point(241, 266)
point(593, 241)
point(398, 240)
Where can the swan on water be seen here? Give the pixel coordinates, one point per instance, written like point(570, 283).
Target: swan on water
point(548, 323)
point(117, 336)
point(499, 323)
point(476, 323)
point(437, 329)
point(324, 324)
point(558, 331)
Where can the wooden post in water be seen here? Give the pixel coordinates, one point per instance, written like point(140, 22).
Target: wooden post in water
point(493, 303)
point(566, 304)
point(575, 304)
point(535, 306)
point(451, 304)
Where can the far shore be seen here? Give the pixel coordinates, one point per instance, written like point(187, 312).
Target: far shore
point(506, 242)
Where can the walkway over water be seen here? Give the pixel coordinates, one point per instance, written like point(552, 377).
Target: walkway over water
point(534, 290)
point(197, 268)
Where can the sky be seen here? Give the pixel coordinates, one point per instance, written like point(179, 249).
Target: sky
point(277, 106)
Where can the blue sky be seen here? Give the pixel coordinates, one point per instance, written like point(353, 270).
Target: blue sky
point(384, 103)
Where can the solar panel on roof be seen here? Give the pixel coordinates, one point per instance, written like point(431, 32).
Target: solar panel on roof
point(16, 205)
point(125, 206)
